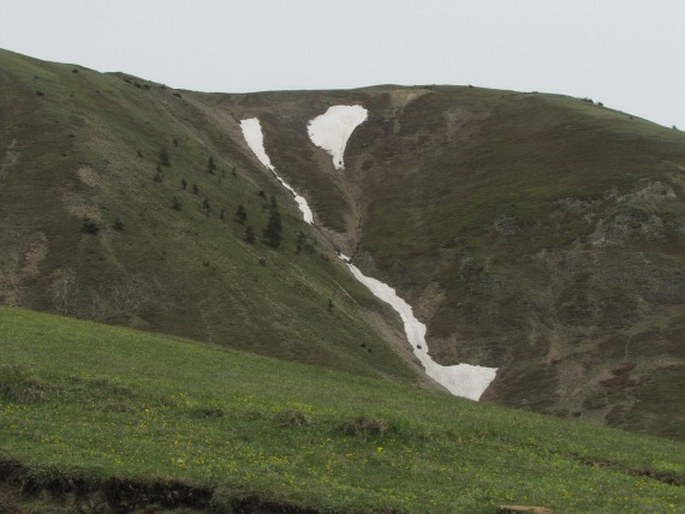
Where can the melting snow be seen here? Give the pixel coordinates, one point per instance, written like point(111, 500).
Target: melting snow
point(461, 379)
point(252, 132)
point(332, 129)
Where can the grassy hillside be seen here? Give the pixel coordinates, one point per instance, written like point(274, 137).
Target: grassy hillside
point(146, 419)
point(95, 225)
point(540, 234)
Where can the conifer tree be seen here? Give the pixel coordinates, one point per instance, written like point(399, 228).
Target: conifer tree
point(240, 214)
point(272, 231)
point(211, 165)
point(164, 157)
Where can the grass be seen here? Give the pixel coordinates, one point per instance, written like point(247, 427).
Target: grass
point(81, 398)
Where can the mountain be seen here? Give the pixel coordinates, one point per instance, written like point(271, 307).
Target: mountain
point(537, 234)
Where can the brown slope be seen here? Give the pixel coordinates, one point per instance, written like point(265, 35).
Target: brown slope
point(540, 234)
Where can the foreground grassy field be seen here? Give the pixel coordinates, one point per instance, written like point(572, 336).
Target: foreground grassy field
point(90, 402)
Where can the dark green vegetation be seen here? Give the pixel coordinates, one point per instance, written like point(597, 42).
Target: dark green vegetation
point(101, 414)
point(541, 234)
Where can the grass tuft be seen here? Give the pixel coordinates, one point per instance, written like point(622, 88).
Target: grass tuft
point(365, 425)
point(289, 418)
point(17, 385)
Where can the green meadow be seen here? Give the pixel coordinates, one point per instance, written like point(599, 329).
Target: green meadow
point(82, 402)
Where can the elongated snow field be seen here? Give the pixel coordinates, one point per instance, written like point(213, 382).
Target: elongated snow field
point(465, 380)
point(332, 129)
point(252, 132)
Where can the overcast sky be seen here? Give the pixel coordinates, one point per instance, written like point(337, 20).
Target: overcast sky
point(629, 54)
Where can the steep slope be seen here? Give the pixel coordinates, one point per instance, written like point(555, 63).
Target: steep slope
point(93, 224)
point(537, 234)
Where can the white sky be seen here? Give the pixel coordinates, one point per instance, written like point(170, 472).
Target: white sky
point(629, 54)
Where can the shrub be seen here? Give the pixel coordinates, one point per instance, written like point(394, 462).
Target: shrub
point(272, 231)
point(306, 243)
point(207, 412)
point(365, 425)
point(164, 157)
point(292, 418)
point(17, 386)
point(211, 165)
point(240, 214)
point(206, 208)
point(250, 236)
point(118, 225)
point(175, 203)
point(89, 227)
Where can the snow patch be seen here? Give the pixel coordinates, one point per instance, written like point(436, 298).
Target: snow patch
point(332, 129)
point(252, 132)
point(464, 380)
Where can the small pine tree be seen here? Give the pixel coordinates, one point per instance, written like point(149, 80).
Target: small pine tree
point(175, 203)
point(211, 165)
point(250, 235)
point(206, 208)
point(164, 157)
point(184, 184)
point(240, 214)
point(196, 190)
point(118, 225)
point(272, 231)
point(222, 214)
